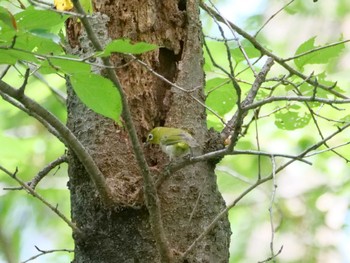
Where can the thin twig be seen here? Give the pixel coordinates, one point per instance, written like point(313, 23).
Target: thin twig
point(252, 187)
point(45, 252)
point(230, 75)
point(271, 258)
point(22, 6)
point(272, 17)
point(223, 152)
point(48, 57)
point(316, 49)
point(5, 71)
point(65, 134)
point(225, 21)
point(20, 106)
point(274, 187)
point(41, 199)
point(294, 98)
point(268, 53)
point(25, 82)
point(59, 95)
point(319, 130)
point(49, 167)
point(237, 120)
point(256, 113)
point(188, 91)
point(228, 51)
point(328, 149)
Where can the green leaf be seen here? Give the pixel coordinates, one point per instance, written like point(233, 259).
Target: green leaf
point(322, 78)
point(46, 35)
point(7, 18)
point(345, 119)
point(10, 57)
point(99, 94)
point(39, 19)
point(124, 46)
point(291, 120)
point(317, 57)
point(87, 6)
point(37, 43)
point(221, 96)
point(6, 36)
point(218, 52)
point(309, 90)
point(65, 66)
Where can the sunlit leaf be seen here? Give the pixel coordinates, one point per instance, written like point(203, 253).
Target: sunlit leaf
point(99, 94)
point(87, 6)
point(67, 66)
point(124, 46)
point(221, 96)
point(321, 56)
point(11, 57)
point(37, 43)
point(39, 19)
point(346, 118)
point(291, 119)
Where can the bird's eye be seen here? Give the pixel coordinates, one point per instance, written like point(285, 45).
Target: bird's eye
point(150, 137)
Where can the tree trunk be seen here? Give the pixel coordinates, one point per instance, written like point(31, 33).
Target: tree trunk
point(189, 198)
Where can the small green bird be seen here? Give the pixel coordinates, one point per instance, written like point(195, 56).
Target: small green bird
point(174, 142)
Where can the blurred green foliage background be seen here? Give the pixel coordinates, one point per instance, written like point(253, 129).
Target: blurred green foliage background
point(311, 206)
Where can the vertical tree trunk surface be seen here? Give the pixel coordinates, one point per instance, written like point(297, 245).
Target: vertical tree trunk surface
point(189, 198)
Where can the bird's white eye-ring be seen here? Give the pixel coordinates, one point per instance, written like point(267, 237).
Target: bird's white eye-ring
point(150, 137)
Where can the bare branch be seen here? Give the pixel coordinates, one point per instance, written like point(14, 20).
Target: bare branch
point(328, 149)
point(187, 91)
point(67, 136)
point(294, 98)
point(237, 120)
point(272, 257)
point(5, 71)
point(271, 205)
point(266, 52)
point(225, 40)
point(316, 49)
point(223, 152)
point(33, 183)
point(22, 6)
point(45, 252)
point(312, 114)
point(25, 82)
point(33, 114)
point(230, 76)
point(256, 184)
point(61, 97)
point(272, 17)
point(49, 167)
point(236, 39)
point(41, 199)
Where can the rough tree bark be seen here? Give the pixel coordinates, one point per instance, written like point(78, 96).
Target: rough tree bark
point(189, 198)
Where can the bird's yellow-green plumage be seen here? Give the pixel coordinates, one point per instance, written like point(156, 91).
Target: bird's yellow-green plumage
point(173, 141)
